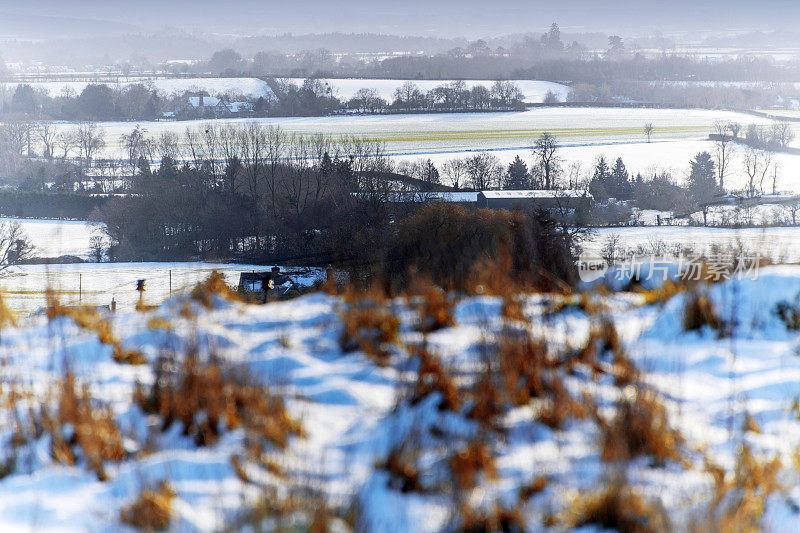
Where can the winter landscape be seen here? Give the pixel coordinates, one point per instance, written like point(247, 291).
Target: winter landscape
point(434, 267)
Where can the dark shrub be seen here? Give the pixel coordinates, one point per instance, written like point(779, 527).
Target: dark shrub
point(452, 245)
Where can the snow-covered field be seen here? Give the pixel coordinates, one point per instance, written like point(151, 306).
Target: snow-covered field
point(251, 87)
point(451, 132)
point(584, 133)
point(24, 287)
point(97, 283)
point(724, 393)
point(778, 244)
point(533, 91)
point(54, 238)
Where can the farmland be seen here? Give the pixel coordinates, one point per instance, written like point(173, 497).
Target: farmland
point(583, 133)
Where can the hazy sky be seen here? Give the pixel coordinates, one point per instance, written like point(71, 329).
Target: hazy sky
point(467, 18)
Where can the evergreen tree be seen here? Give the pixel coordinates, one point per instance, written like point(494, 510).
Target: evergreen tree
point(517, 176)
point(621, 187)
point(144, 167)
point(429, 173)
point(702, 178)
point(599, 184)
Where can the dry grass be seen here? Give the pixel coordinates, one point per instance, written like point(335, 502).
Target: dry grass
point(436, 308)
point(303, 509)
point(616, 507)
point(560, 407)
point(152, 510)
point(7, 318)
point(433, 377)
point(522, 363)
point(90, 319)
point(533, 488)
point(699, 312)
point(401, 464)
point(512, 308)
point(93, 432)
point(640, 427)
point(661, 294)
point(750, 424)
point(789, 313)
point(371, 326)
point(739, 503)
point(470, 462)
point(214, 285)
point(203, 397)
point(489, 400)
point(603, 338)
point(496, 519)
point(589, 303)
point(159, 324)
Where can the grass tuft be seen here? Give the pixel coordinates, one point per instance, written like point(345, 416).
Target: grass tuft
point(205, 399)
point(640, 427)
point(152, 510)
point(616, 507)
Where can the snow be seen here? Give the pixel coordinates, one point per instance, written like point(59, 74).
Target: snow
point(53, 238)
point(250, 87)
point(24, 286)
point(583, 134)
point(778, 243)
point(353, 414)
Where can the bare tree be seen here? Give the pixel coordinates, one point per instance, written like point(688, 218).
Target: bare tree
point(15, 246)
point(46, 134)
point(574, 173)
point(274, 151)
point(168, 145)
point(368, 100)
point(67, 141)
point(483, 171)
point(546, 160)
point(254, 143)
point(135, 144)
point(757, 164)
point(455, 171)
point(90, 139)
point(648, 130)
point(722, 149)
point(782, 133)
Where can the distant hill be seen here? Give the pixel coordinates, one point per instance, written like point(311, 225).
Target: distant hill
point(15, 26)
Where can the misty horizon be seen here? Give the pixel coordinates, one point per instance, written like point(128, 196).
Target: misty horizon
point(468, 20)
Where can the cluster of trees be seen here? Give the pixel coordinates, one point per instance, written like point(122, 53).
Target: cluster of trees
point(251, 192)
point(94, 102)
point(776, 136)
point(315, 97)
point(452, 96)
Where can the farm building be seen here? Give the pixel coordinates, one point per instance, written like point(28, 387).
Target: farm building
point(544, 199)
point(209, 106)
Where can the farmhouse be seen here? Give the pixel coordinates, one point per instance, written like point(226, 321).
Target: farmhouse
point(544, 199)
point(202, 106)
point(207, 106)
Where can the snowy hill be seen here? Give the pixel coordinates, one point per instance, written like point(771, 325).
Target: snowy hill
point(420, 414)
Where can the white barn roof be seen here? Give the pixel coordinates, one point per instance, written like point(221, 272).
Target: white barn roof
point(511, 195)
point(208, 101)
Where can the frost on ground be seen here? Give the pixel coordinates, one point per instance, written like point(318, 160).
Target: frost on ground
point(644, 410)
